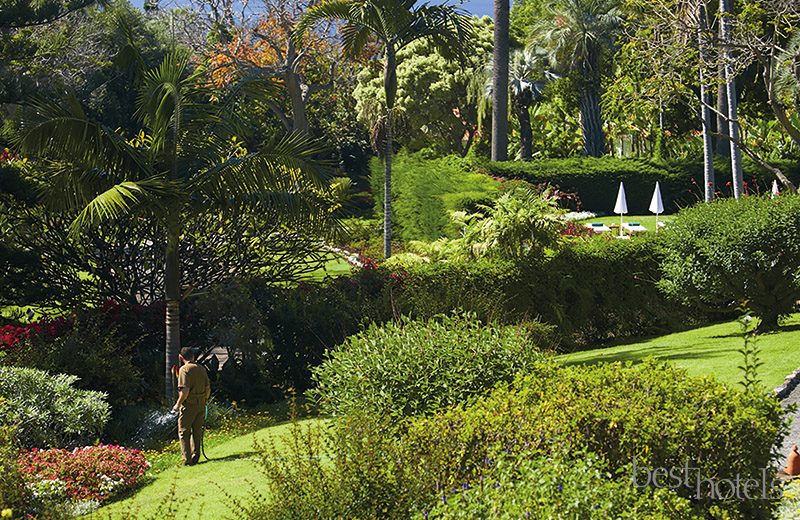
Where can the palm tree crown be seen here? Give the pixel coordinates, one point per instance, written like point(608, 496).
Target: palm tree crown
point(395, 24)
point(579, 37)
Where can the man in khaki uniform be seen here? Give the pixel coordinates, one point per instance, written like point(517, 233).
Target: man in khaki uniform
point(193, 391)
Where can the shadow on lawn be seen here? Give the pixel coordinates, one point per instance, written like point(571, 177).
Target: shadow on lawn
point(660, 353)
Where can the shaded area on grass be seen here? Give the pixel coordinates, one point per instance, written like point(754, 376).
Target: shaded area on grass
point(710, 351)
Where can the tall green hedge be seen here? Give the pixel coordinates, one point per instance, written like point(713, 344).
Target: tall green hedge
point(425, 191)
point(591, 291)
point(596, 181)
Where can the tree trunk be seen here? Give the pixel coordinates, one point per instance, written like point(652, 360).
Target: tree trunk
point(500, 81)
point(592, 123)
point(387, 189)
point(390, 87)
point(705, 110)
point(299, 119)
point(730, 86)
point(723, 147)
point(172, 287)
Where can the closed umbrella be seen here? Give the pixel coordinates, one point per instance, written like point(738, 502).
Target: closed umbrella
point(775, 190)
point(656, 204)
point(621, 206)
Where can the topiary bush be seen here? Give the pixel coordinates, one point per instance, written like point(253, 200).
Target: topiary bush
point(412, 367)
point(47, 410)
point(718, 255)
point(653, 413)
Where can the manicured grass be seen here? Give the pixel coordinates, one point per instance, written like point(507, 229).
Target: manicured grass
point(711, 351)
point(206, 490)
point(648, 221)
point(335, 266)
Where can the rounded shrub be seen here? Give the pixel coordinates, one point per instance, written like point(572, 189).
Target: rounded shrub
point(410, 367)
point(718, 255)
point(48, 410)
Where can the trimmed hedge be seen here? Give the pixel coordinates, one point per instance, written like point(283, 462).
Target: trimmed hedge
point(591, 291)
point(425, 191)
point(596, 181)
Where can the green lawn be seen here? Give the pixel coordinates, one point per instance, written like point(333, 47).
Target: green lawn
point(648, 221)
point(208, 489)
point(710, 351)
point(335, 266)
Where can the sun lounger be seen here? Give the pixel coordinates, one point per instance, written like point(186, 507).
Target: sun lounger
point(598, 227)
point(633, 227)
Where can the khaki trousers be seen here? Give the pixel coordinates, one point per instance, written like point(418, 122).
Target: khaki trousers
point(190, 431)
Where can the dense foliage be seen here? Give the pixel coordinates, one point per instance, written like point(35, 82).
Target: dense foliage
point(722, 254)
point(559, 486)
point(652, 412)
point(561, 439)
point(47, 410)
point(410, 367)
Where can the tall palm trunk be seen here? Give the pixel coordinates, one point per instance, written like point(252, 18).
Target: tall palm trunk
point(730, 86)
point(387, 189)
point(172, 288)
point(723, 147)
point(705, 110)
point(500, 81)
point(592, 123)
point(390, 88)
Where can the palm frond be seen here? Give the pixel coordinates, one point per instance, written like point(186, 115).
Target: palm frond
point(449, 30)
point(64, 134)
point(288, 165)
point(327, 10)
point(119, 200)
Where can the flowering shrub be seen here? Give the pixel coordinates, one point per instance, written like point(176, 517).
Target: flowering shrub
point(89, 473)
point(576, 229)
point(12, 336)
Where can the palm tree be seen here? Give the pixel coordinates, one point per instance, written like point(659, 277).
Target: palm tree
point(703, 45)
point(395, 24)
point(579, 36)
point(500, 81)
point(526, 80)
point(726, 12)
point(181, 165)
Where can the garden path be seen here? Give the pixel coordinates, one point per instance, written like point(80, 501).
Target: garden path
point(794, 429)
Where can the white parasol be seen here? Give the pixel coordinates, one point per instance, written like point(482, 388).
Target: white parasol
point(621, 207)
point(775, 190)
point(656, 204)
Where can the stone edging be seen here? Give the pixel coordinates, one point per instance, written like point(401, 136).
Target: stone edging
point(791, 381)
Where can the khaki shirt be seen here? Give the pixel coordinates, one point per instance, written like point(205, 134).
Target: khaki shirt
point(194, 377)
